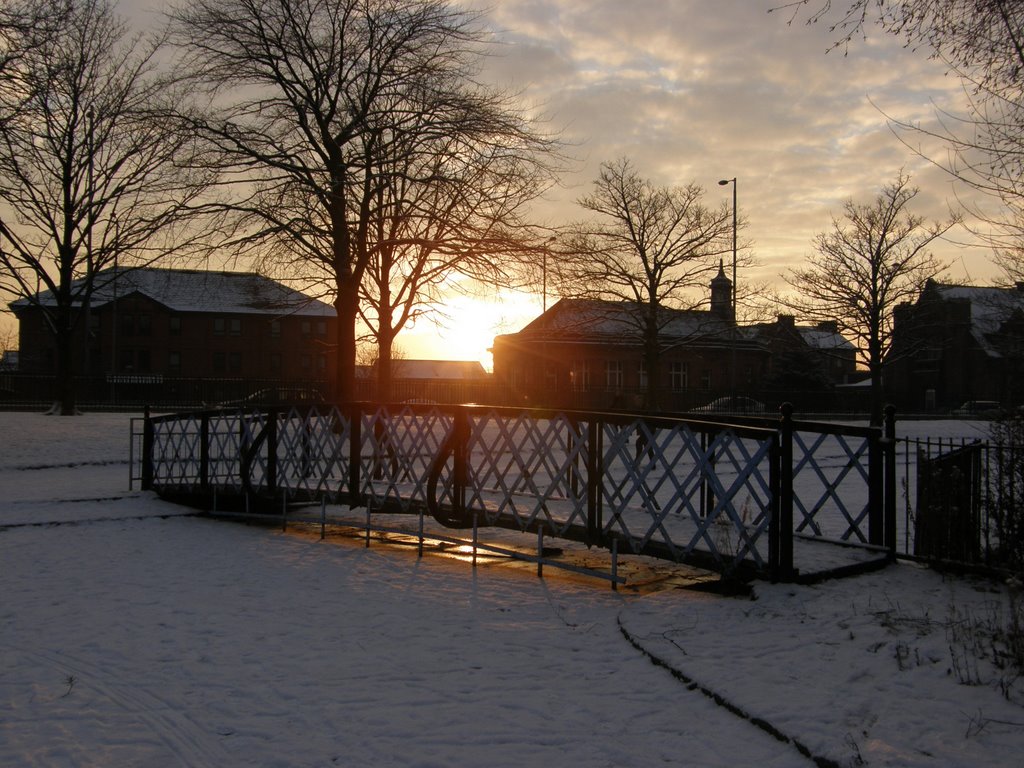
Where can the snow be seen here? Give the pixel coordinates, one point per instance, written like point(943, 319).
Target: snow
point(137, 634)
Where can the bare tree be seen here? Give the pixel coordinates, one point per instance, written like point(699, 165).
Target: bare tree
point(450, 212)
point(873, 259)
point(982, 42)
point(90, 171)
point(650, 248)
point(326, 106)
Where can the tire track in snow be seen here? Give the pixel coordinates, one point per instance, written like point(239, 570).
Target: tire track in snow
point(720, 700)
point(190, 744)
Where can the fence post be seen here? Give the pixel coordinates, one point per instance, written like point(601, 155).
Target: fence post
point(272, 451)
point(876, 487)
point(780, 540)
point(204, 452)
point(461, 462)
point(595, 525)
point(355, 438)
point(147, 451)
point(889, 452)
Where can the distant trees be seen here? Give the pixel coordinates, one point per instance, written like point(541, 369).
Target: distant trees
point(872, 259)
point(91, 169)
point(653, 248)
point(362, 153)
point(982, 42)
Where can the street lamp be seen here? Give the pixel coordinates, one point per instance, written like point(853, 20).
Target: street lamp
point(732, 372)
point(722, 183)
point(544, 271)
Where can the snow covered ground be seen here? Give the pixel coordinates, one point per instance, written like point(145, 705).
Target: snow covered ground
point(135, 634)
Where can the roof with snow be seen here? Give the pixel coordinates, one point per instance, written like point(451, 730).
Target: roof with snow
point(619, 319)
point(991, 307)
point(191, 290)
point(447, 370)
point(824, 338)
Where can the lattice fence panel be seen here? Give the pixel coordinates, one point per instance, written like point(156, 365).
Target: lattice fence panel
point(530, 470)
point(830, 485)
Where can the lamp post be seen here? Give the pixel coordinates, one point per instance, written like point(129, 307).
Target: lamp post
point(732, 333)
point(722, 183)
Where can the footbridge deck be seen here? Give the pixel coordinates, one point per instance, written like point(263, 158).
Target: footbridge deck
point(775, 499)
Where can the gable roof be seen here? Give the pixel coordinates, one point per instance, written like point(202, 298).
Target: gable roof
point(991, 307)
point(589, 318)
point(192, 290)
point(448, 370)
point(824, 338)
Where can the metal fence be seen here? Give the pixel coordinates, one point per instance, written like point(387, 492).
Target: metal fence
point(962, 502)
point(740, 497)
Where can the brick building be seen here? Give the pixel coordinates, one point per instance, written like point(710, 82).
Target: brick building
point(955, 344)
point(586, 353)
point(164, 323)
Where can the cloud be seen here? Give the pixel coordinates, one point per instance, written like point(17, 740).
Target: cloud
point(698, 90)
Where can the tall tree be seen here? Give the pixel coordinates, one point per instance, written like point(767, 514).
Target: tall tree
point(982, 42)
point(450, 213)
point(91, 172)
point(647, 247)
point(871, 260)
point(328, 108)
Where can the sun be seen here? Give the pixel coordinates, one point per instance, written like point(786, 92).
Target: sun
point(469, 327)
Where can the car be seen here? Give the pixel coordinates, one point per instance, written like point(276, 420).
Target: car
point(277, 396)
point(733, 405)
point(979, 409)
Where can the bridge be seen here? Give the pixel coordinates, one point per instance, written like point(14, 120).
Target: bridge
point(749, 498)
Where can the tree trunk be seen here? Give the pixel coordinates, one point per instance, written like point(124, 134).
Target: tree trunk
point(65, 363)
point(385, 372)
point(346, 307)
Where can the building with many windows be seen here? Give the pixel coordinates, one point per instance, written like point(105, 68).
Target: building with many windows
point(591, 354)
point(586, 353)
point(957, 344)
point(152, 324)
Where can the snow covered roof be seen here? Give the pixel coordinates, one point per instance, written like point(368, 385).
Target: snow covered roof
point(586, 317)
point(824, 338)
point(192, 290)
point(990, 306)
point(448, 370)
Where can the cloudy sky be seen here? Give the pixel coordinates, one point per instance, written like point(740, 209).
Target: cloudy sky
point(701, 90)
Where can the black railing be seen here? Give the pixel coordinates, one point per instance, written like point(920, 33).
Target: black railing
point(962, 502)
point(712, 493)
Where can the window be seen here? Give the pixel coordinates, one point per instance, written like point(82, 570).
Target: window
point(218, 362)
point(218, 326)
point(641, 374)
point(126, 360)
point(305, 362)
point(275, 329)
point(174, 325)
point(306, 327)
point(145, 325)
point(275, 362)
point(142, 360)
point(613, 374)
point(705, 379)
point(580, 375)
point(678, 376)
point(235, 362)
point(321, 327)
point(174, 362)
point(127, 324)
point(235, 326)
point(550, 378)
point(321, 363)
